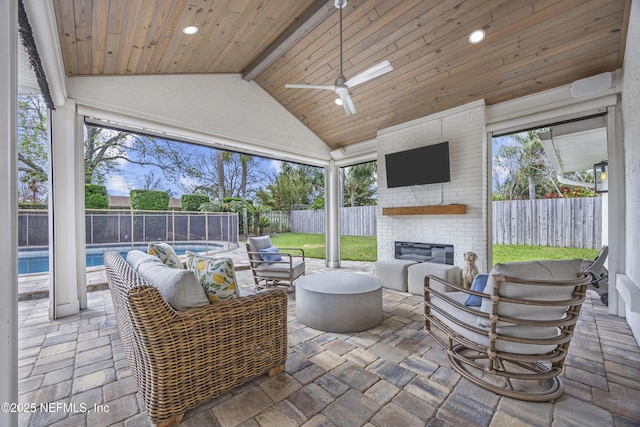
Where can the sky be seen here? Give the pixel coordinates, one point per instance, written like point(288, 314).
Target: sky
point(131, 176)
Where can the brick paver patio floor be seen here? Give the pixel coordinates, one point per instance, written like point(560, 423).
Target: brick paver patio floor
point(392, 375)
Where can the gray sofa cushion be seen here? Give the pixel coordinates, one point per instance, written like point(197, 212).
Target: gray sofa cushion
point(136, 257)
point(179, 287)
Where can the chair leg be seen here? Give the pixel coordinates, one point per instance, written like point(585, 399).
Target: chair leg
point(176, 419)
point(276, 370)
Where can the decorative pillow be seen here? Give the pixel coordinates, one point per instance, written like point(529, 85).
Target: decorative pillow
point(479, 282)
point(166, 254)
point(179, 287)
point(270, 254)
point(216, 275)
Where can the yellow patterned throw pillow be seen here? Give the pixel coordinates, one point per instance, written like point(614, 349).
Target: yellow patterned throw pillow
point(166, 254)
point(216, 275)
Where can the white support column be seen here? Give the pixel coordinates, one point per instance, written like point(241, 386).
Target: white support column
point(332, 213)
point(8, 211)
point(67, 288)
point(615, 200)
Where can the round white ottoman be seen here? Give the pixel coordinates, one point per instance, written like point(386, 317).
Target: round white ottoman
point(339, 302)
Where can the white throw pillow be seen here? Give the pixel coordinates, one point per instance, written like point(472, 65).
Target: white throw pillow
point(179, 287)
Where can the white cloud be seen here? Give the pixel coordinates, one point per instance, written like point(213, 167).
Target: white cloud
point(188, 182)
point(117, 185)
point(276, 165)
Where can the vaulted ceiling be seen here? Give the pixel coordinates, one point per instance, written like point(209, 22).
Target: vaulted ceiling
point(530, 46)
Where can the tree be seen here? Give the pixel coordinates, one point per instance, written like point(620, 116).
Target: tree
point(360, 184)
point(242, 176)
point(522, 168)
point(219, 154)
point(149, 181)
point(32, 148)
point(105, 149)
point(294, 187)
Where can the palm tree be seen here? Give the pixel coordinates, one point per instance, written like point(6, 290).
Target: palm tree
point(526, 167)
point(359, 183)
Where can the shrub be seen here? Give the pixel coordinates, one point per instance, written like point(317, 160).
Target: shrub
point(95, 197)
point(149, 200)
point(26, 205)
point(192, 202)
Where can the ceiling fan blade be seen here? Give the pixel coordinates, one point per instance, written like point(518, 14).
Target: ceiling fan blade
point(303, 86)
point(376, 71)
point(347, 103)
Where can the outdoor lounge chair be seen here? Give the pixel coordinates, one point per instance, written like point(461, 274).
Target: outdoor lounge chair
point(270, 267)
point(181, 359)
point(515, 340)
point(599, 274)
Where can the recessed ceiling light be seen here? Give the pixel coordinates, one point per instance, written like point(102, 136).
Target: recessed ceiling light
point(476, 36)
point(190, 29)
point(338, 101)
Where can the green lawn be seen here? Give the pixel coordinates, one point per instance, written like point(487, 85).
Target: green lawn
point(352, 248)
point(364, 249)
point(514, 253)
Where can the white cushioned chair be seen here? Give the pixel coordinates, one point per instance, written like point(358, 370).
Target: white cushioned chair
point(513, 341)
point(270, 266)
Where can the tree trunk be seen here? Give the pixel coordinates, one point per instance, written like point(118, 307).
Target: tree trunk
point(220, 169)
point(532, 188)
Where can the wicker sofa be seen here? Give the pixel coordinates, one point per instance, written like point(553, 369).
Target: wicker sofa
point(181, 359)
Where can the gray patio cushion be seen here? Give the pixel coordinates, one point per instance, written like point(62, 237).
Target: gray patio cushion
point(257, 243)
point(532, 270)
point(280, 269)
point(136, 257)
point(483, 339)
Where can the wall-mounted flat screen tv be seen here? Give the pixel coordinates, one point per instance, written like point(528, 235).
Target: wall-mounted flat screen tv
point(424, 165)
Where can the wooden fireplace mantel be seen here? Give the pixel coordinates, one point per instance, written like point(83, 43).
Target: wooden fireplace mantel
point(426, 210)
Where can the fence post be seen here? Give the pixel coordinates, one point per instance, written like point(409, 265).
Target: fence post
point(132, 238)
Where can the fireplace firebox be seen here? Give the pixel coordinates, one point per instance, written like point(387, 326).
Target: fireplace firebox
point(424, 252)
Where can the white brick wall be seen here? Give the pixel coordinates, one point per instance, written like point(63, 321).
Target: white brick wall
point(464, 128)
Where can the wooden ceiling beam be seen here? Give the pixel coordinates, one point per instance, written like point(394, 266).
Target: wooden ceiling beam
point(309, 20)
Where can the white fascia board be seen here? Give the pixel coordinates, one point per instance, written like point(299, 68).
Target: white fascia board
point(548, 106)
point(220, 108)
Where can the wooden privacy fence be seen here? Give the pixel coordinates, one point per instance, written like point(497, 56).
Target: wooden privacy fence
point(571, 223)
point(356, 221)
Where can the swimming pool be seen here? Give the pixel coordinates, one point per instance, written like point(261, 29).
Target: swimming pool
point(37, 261)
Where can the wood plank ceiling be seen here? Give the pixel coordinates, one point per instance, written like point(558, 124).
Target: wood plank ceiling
point(531, 45)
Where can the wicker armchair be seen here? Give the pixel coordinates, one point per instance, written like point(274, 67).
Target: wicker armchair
point(515, 342)
point(181, 359)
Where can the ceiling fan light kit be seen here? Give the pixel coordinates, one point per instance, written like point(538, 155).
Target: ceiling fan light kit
point(342, 85)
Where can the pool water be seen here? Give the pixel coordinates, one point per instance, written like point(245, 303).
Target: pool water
point(38, 261)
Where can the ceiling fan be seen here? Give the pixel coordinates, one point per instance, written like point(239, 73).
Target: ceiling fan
point(342, 85)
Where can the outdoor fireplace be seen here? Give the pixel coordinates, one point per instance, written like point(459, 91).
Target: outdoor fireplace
point(424, 252)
